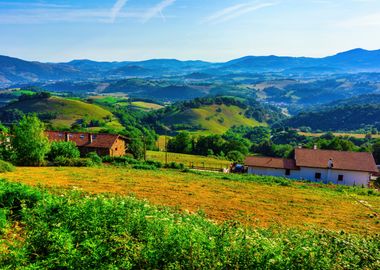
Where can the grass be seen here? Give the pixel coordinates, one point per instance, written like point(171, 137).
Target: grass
point(188, 160)
point(147, 105)
point(68, 111)
point(73, 230)
point(252, 200)
point(355, 135)
point(216, 119)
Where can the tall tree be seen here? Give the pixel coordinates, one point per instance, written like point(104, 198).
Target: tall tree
point(29, 142)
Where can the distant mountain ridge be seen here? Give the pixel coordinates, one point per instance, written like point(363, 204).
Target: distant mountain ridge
point(14, 70)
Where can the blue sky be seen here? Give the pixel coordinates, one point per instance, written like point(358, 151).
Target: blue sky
point(212, 30)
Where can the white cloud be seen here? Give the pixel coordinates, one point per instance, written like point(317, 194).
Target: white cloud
point(117, 7)
point(363, 21)
point(235, 11)
point(157, 10)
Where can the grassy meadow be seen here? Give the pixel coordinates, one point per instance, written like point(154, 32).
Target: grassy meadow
point(188, 160)
point(252, 200)
point(68, 111)
point(214, 119)
point(355, 135)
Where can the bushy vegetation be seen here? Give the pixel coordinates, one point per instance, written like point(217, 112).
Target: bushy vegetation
point(6, 166)
point(29, 142)
point(63, 149)
point(78, 231)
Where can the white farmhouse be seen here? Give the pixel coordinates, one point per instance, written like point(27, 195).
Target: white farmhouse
point(338, 167)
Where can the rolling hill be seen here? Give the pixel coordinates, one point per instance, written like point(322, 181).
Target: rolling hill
point(61, 112)
point(338, 118)
point(211, 115)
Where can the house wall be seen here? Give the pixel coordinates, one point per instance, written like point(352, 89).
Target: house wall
point(118, 148)
point(100, 151)
point(350, 178)
point(294, 174)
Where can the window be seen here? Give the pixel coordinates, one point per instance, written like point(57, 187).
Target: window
point(340, 177)
point(60, 135)
point(317, 175)
point(287, 172)
point(82, 136)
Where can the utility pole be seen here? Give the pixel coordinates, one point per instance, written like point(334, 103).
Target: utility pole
point(144, 147)
point(166, 150)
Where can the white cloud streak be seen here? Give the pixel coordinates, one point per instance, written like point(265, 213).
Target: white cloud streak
point(235, 11)
point(370, 20)
point(157, 10)
point(117, 7)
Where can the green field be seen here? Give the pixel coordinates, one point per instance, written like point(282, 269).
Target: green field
point(68, 111)
point(121, 218)
point(339, 134)
point(215, 119)
point(188, 160)
point(146, 105)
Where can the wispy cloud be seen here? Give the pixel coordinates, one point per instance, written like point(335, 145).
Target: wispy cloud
point(370, 20)
point(235, 11)
point(157, 10)
point(117, 7)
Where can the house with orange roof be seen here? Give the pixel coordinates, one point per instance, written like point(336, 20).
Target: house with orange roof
point(102, 144)
point(338, 167)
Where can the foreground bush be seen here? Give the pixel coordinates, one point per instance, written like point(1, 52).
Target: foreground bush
point(76, 231)
point(63, 149)
point(6, 166)
point(73, 162)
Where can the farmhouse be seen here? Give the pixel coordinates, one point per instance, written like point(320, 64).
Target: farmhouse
point(338, 167)
point(102, 144)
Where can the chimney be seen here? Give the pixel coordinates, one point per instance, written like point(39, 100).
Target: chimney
point(67, 137)
point(90, 137)
point(330, 163)
point(315, 147)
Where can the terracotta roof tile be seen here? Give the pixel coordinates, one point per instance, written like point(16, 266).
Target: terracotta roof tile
point(268, 162)
point(351, 161)
point(83, 139)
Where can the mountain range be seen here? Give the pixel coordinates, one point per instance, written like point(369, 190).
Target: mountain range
point(15, 71)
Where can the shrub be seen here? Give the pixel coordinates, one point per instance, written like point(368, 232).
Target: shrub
point(6, 166)
point(63, 149)
point(154, 163)
point(175, 165)
point(93, 156)
point(144, 167)
point(73, 162)
point(235, 156)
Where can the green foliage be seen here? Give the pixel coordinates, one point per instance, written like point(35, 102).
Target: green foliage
point(144, 167)
point(175, 165)
point(74, 231)
point(73, 162)
point(235, 156)
point(182, 143)
point(29, 142)
point(94, 157)
point(6, 166)
point(63, 149)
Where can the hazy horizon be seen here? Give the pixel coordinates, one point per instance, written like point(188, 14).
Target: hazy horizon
point(213, 31)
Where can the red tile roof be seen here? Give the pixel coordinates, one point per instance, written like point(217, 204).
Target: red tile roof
point(83, 139)
point(350, 161)
point(268, 162)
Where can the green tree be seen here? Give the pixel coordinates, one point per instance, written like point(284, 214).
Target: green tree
point(376, 151)
point(182, 143)
point(235, 156)
point(63, 149)
point(29, 142)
